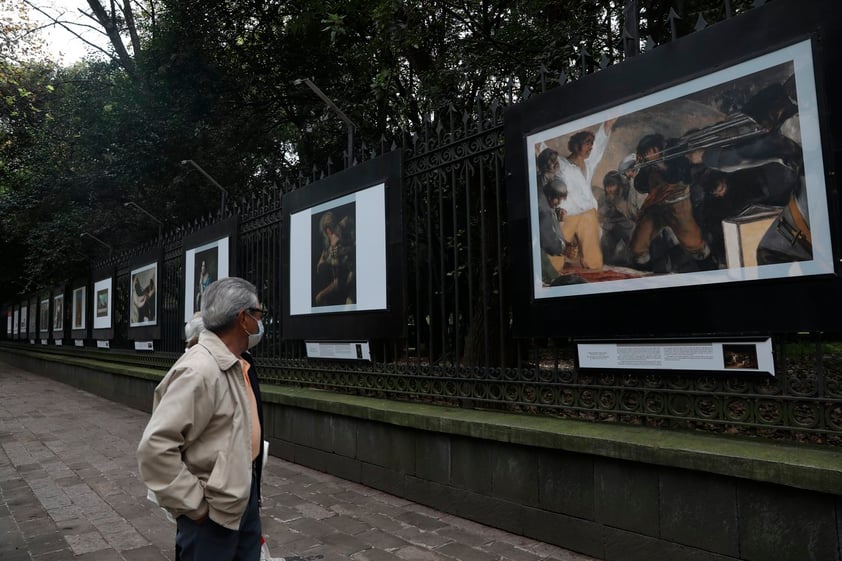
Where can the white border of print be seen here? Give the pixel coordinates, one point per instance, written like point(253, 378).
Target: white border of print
point(56, 299)
point(78, 293)
point(370, 224)
point(103, 322)
point(800, 55)
point(44, 326)
point(190, 271)
point(132, 275)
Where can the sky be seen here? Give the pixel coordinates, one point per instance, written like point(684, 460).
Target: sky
point(64, 46)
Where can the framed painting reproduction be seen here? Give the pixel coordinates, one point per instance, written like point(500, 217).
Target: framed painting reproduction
point(144, 300)
point(209, 256)
point(694, 178)
point(24, 320)
point(102, 307)
point(32, 326)
point(143, 304)
point(78, 311)
point(345, 255)
point(44, 316)
point(58, 316)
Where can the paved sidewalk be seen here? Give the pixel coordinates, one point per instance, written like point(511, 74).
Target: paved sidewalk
point(69, 489)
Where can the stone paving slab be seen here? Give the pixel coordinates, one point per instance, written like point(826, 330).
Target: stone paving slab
point(69, 490)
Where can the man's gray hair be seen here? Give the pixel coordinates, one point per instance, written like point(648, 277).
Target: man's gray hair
point(224, 299)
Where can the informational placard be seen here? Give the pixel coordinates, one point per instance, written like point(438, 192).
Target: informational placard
point(339, 350)
point(699, 356)
point(102, 344)
point(144, 346)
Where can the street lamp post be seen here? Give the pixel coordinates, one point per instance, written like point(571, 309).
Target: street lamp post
point(329, 102)
point(96, 239)
point(141, 209)
point(212, 180)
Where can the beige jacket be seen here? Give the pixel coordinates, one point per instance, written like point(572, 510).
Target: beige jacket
point(195, 454)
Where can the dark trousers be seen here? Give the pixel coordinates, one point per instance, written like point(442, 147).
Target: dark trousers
point(208, 541)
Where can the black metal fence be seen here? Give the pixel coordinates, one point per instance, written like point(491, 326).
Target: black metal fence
point(459, 349)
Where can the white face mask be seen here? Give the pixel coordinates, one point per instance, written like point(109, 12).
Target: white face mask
point(254, 338)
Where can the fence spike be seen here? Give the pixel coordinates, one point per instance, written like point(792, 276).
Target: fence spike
point(524, 95)
point(728, 11)
point(582, 55)
point(700, 23)
point(672, 17)
point(562, 78)
point(603, 62)
point(649, 44)
point(758, 3)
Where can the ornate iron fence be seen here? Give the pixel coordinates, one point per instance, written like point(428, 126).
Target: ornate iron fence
point(459, 349)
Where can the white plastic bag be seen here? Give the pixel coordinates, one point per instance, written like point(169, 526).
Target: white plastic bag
point(150, 496)
point(264, 551)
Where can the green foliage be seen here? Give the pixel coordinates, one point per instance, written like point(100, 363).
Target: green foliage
point(214, 81)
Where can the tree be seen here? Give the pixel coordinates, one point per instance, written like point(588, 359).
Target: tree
point(215, 82)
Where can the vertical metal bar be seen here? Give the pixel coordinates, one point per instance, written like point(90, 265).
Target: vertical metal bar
point(429, 232)
point(500, 286)
point(819, 365)
point(420, 319)
point(483, 265)
point(631, 29)
point(442, 266)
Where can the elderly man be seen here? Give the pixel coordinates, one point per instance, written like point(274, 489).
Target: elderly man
point(200, 451)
